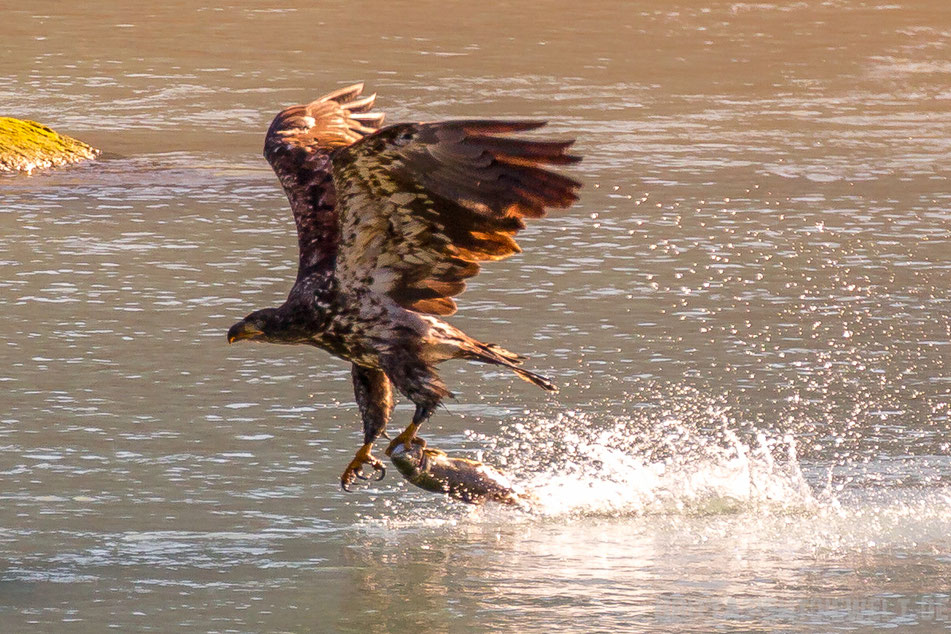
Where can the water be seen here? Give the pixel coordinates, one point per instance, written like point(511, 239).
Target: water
point(747, 314)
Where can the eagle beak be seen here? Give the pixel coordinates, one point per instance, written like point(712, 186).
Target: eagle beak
point(243, 330)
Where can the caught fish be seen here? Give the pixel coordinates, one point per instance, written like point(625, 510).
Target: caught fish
point(467, 480)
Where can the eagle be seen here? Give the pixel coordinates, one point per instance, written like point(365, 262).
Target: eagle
point(391, 221)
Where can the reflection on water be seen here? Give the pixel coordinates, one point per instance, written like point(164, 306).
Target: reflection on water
point(747, 314)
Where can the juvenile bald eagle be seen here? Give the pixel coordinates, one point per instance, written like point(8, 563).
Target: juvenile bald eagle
point(390, 223)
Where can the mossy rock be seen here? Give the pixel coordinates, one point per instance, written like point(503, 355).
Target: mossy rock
point(27, 145)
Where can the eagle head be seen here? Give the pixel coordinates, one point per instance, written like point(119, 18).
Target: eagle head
point(261, 325)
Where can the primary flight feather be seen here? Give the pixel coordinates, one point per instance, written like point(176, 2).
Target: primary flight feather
point(391, 221)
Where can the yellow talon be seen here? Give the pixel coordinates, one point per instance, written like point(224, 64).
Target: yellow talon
point(407, 438)
point(354, 470)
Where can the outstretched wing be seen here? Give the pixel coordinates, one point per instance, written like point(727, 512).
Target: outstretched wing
point(422, 204)
point(298, 146)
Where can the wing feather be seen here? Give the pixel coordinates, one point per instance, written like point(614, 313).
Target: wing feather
point(421, 205)
point(298, 146)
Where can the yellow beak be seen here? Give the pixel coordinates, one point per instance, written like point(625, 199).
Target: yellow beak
point(243, 330)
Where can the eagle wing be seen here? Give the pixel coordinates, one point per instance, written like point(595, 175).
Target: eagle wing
point(298, 146)
point(421, 204)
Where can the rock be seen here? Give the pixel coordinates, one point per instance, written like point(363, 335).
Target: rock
point(27, 145)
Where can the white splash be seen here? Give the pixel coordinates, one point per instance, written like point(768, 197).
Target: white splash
point(695, 478)
point(575, 467)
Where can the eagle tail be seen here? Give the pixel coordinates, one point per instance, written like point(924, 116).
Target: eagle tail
point(497, 355)
point(537, 379)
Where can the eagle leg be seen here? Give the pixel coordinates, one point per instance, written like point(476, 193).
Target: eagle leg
point(374, 396)
point(419, 382)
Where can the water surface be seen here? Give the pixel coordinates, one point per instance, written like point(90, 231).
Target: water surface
point(747, 313)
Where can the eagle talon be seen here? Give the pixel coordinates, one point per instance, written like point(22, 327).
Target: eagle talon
point(378, 469)
point(354, 470)
point(407, 438)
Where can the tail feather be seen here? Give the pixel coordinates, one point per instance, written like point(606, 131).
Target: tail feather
point(508, 355)
point(497, 355)
point(537, 379)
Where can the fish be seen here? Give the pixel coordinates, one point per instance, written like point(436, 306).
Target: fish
point(468, 481)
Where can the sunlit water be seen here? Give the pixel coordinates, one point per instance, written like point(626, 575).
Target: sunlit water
point(747, 313)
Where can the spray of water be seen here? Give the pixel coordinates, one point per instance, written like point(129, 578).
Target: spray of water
point(575, 465)
point(694, 470)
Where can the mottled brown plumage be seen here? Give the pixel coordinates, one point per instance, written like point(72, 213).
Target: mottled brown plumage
point(390, 223)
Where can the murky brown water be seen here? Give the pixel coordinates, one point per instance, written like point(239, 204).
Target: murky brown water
point(748, 313)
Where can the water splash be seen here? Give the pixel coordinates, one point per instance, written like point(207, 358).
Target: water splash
point(579, 466)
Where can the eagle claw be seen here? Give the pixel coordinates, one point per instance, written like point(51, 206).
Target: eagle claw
point(354, 470)
point(378, 468)
point(407, 438)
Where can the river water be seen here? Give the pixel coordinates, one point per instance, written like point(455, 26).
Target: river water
point(747, 313)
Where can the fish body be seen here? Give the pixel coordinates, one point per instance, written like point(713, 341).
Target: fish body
point(466, 480)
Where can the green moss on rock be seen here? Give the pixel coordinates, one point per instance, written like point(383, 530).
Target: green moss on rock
point(27, 145)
